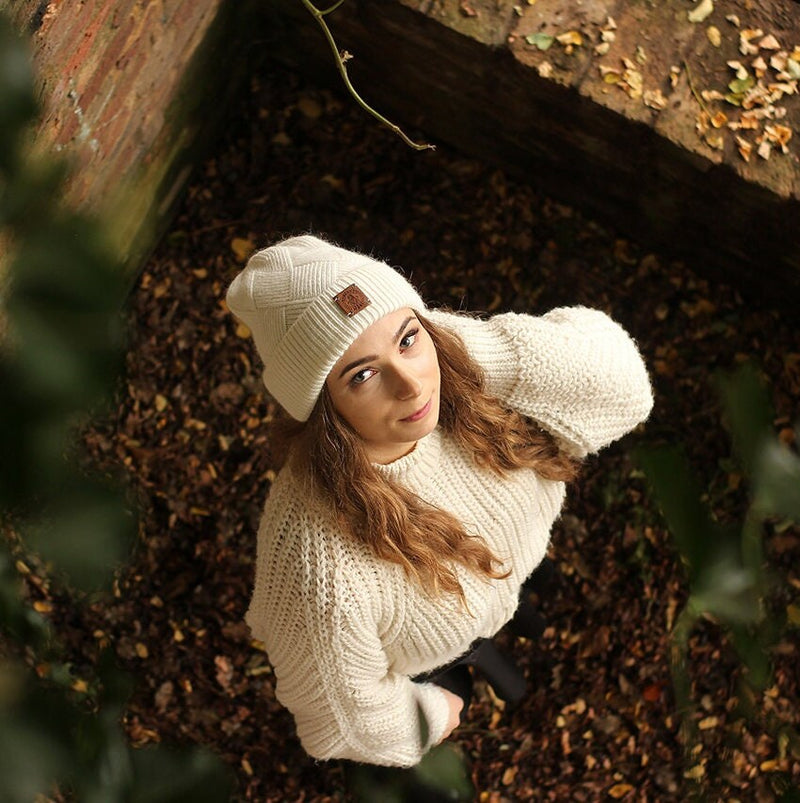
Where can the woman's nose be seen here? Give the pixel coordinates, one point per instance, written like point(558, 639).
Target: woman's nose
point(406, 384)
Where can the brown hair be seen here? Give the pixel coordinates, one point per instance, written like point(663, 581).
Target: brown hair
point(396, 524)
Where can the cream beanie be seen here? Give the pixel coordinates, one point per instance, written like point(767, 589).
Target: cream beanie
point(305, 301)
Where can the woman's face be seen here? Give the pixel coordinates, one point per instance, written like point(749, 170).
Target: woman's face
point(386, 385)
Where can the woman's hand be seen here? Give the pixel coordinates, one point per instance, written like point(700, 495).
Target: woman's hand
point(456, 704)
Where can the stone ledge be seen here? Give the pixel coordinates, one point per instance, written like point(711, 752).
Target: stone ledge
point(465, 72)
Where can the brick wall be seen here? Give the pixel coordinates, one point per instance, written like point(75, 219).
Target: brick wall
point(128, 90)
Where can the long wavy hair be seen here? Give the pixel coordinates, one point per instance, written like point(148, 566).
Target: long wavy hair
point(396, 524)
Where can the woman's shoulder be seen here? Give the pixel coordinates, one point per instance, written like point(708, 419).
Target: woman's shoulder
point(298, 519)
point(292, 503)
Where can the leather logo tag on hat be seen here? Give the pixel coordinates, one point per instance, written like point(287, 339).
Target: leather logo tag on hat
point(351, 300)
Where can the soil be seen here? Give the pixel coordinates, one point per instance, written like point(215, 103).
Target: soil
point(192, 430)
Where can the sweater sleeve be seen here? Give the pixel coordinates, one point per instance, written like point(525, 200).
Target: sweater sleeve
point(314, 607)
point(574, 371)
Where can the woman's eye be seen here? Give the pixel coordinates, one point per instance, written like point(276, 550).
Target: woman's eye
point(362, 376)
point(409, 339)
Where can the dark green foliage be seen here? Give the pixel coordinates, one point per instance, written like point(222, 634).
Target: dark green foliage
point(727, 576)
point(61, 346)
point(441, 776)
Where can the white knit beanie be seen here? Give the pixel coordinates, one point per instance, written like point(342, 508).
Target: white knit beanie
point(305, 301)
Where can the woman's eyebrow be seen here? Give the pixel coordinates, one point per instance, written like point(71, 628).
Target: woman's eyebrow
point(400, 331)
point(356, 363)
point(371, 357)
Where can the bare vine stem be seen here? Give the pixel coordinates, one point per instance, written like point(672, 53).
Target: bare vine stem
point(341, 58)
point(689, 80)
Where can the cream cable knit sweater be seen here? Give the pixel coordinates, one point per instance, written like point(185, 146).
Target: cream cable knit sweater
point(345, 631)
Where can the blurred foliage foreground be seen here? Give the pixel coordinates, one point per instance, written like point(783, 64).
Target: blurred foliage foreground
point(727, 578)
point(61, 344)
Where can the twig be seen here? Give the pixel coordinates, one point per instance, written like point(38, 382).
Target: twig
point(319, 16)
point(696, 94)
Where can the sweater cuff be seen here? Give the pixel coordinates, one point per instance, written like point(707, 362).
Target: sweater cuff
point(435, 709)
point(488, 344)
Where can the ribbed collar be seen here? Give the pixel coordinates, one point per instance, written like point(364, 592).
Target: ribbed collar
point(419, 464)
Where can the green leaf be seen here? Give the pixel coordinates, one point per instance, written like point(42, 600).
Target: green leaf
point(777, 482)
point(739, 86)
point(87, 535)
point(678, 493)
point(728, 591)
point(542, 41)
point(444, 768)
point(749, 413)
point(163, 775)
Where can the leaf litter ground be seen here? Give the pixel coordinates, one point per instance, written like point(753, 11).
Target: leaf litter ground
point(191, 431)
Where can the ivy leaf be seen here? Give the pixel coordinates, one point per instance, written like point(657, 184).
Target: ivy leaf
point(541, 40)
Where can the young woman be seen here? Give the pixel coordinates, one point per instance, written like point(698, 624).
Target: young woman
point(427, 463)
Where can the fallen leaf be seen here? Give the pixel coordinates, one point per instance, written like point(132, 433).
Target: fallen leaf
point(620, 790)
point(242, 248)
point(309, 107)
point(466, 9)
point(570, 38)
point(714, 35)
point(655, 99)
point(542, 41)
point(719, 119)
point(702, 11)
point(769, 42)
point(652, 693)
point(224, 673)
point(746, 47)
point(745, 148)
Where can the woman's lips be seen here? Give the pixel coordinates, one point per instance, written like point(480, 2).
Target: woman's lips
point(421, 413)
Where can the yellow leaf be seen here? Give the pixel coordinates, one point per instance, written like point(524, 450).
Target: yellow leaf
point(695, 773)
point(708, 723)
point(242, 331)
point(570, 38)
point(141, 650)
point(509, 775)
point(719, 119)
point(161, 402)
point(620, 790)
point(242, 248)
point(40, 606)
point(80, 686)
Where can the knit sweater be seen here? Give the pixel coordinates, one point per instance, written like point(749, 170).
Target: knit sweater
point(346, 631)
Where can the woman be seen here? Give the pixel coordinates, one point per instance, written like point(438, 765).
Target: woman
point(427, 463)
